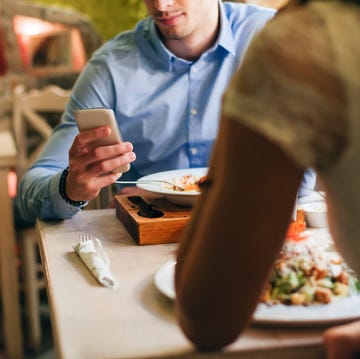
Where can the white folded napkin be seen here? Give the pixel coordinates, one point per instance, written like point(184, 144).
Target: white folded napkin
point(93, 255)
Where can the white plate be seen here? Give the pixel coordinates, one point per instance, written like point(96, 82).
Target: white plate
point(164, 279)
point(186, 198)
point(341, 311)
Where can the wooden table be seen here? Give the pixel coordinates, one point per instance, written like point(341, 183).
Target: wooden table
point(8, 260)
point(136, 321)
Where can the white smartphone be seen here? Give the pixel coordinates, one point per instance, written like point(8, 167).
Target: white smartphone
point(90, 118)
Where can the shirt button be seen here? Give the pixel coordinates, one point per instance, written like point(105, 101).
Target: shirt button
point(193, 111)
point(194, 70)
point(194, 151)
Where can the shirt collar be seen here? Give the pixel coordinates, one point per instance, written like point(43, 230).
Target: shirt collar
point(226, 37)
point(166, 56)
point(225, 40)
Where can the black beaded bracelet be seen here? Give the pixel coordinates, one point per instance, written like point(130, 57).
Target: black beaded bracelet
point(62, 190)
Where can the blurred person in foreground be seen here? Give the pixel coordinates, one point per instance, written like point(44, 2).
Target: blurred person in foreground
point(164, 80)
point(294, 104)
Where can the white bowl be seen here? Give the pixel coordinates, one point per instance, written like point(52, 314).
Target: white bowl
point(315, 214)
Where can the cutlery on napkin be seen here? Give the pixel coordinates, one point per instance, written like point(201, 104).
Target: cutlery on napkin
point(92, 253)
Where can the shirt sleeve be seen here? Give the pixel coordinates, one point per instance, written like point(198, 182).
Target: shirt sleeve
point(43, 199)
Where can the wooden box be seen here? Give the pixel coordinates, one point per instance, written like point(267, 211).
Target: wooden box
point(151, 221)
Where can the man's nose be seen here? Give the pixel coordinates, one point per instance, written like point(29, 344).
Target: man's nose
point(163, 4)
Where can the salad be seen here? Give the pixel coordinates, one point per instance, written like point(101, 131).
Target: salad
point(307, 274)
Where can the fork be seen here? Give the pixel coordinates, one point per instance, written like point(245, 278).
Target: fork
point(170, 184)
point(84, 237)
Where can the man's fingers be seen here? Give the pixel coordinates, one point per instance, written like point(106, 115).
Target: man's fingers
point(87, 136)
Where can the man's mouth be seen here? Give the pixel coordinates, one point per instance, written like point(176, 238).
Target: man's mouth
point(168, 19)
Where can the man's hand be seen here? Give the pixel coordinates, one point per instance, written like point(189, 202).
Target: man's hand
point(343, 341)
point(90, 167)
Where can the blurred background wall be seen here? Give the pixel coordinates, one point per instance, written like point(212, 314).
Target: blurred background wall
point(108, 16)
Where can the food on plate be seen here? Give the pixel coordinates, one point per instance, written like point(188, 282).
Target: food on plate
point(296, 229)
point(306, 273)
point(188, 182)
point(296, 232)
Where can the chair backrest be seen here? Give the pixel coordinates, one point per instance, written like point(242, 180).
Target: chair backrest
point(33, 120)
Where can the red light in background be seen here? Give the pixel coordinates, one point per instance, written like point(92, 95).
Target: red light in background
point(32, 32)
point(12, 184)
point(27, 26)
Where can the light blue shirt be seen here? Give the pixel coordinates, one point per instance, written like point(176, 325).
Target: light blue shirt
point(169, 108)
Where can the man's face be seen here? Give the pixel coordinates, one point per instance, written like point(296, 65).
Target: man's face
point(179, 19)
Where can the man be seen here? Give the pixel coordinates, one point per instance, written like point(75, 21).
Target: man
point(164, 80)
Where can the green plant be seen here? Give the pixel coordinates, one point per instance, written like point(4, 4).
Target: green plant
point(109, 16)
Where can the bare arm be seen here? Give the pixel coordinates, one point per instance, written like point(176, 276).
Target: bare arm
point(235, 235)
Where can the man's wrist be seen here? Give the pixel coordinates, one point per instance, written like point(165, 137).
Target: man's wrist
point(62, 190)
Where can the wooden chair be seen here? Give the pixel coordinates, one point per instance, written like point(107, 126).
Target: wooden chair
point(31, 130)
point(32, 126)
point(9, 288)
